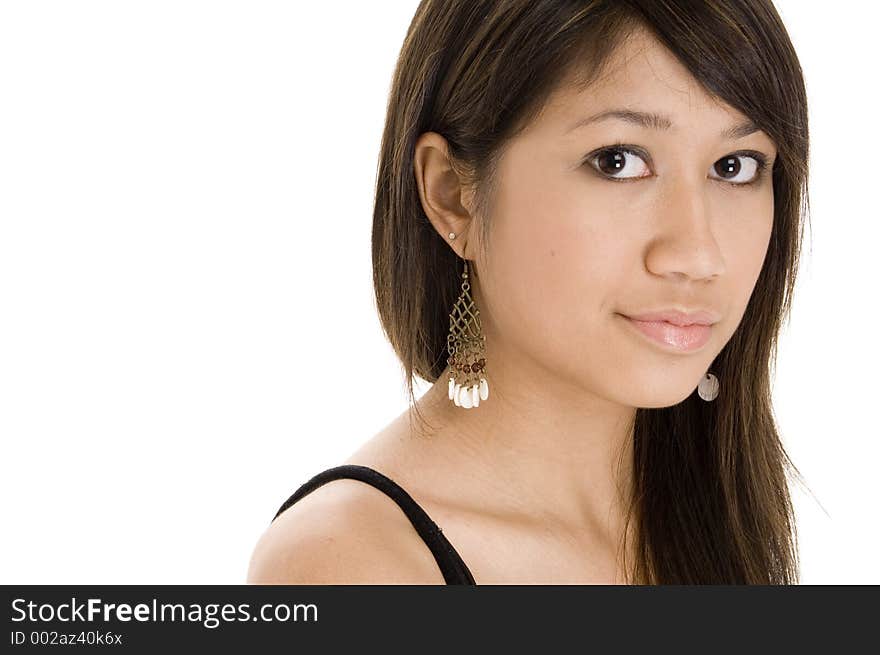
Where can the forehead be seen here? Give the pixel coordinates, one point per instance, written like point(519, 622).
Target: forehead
point(641, 74)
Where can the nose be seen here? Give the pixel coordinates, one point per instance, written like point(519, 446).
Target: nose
point(684, 245)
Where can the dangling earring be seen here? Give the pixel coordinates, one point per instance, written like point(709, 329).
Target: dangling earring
point(708, 387)
point(465, 344)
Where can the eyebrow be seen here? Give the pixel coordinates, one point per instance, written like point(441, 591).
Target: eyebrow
point(659, 122)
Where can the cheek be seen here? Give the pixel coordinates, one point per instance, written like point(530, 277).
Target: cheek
point(555, 268)
point(743, 232)
point(745, 238)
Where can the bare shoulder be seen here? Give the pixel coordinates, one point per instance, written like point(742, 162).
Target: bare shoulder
point(343, 532)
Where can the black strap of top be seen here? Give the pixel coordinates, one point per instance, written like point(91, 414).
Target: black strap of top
point(451, 565)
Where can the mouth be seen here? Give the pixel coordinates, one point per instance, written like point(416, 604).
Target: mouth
point(677, 338)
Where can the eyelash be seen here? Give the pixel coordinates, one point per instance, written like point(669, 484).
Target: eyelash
point(627, 148)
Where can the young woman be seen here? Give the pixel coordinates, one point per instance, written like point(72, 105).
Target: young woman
point(586, 233)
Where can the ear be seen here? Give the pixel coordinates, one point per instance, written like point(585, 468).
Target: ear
point(444, 198)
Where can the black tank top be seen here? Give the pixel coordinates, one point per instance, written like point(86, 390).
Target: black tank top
point(451, 565)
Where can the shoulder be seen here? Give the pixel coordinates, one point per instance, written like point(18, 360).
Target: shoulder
point(343, 532)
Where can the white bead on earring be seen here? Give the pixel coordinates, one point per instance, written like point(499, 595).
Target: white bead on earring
point(451, 235)
point(708, 387)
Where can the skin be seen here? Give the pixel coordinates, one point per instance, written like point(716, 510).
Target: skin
point(530, 486)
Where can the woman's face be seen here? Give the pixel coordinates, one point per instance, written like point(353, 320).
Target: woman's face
point(677, 218)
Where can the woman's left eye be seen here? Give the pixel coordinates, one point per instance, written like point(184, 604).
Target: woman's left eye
point(731, 168)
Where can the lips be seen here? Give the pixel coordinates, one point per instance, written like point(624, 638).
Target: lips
point(677, 317)
point(680, 338)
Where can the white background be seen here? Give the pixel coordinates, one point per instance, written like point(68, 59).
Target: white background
point(185, 280)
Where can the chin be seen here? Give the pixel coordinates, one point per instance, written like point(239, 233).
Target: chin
point(664, 394)
point(659, 403)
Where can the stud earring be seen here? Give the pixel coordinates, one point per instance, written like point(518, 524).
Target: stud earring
point(451, 236)
point(708, 387)
point(466, 344)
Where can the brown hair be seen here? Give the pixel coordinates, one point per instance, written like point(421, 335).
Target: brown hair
point(710, 500)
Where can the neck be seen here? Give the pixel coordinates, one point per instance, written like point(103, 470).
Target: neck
point(544, 450)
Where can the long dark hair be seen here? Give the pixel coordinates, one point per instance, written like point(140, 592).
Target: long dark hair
point(710, 502)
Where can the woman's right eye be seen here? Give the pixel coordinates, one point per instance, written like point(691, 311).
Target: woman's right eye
point(619, 163)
